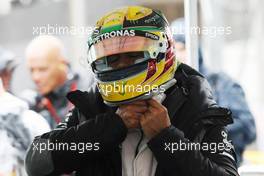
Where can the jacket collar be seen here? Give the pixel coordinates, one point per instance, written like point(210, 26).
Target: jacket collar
point(174, 100)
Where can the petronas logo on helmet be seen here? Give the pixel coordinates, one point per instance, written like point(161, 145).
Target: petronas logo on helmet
point(118, 33)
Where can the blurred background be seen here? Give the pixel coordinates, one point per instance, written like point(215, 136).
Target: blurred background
point(232, 41)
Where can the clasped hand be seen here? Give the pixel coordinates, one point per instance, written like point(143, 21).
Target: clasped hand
point(150, 115)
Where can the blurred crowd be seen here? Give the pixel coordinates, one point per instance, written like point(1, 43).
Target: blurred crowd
point(34, 112)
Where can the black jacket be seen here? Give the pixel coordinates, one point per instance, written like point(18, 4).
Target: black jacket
point(194, 115)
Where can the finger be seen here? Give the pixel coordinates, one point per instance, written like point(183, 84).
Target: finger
point(154, 103)
point(138, 116)
point(152, 109)
point(137, 108)
point(143, 120)
point(148, 114)
point(139, 102)
point(134, 123)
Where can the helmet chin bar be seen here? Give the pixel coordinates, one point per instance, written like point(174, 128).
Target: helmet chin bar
point(145, 96)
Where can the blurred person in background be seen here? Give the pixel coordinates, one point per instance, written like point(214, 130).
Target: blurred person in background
point(8, 64)
point(18, 127)
point(53, 78)
point(127, 130)
point(227, 92)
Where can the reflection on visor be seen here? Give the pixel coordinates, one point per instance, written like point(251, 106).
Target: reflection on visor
point(117, 45)
point(119, 61)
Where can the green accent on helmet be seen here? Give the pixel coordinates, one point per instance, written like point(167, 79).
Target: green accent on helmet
point(110, 29)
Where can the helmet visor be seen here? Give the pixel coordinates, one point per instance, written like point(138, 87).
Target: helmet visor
point(119, 61)
point(124, 44)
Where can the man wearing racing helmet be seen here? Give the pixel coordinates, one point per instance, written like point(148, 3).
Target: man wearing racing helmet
point(147, 115)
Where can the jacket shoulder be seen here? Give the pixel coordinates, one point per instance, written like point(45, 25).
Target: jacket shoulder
point(88, 102)
point(187, 70)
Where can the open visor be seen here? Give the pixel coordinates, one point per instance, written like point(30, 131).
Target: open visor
point(125, 44)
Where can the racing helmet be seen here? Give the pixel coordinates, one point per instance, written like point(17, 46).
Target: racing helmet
point(131, 53)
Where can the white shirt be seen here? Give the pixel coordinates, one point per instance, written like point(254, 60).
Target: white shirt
point(144, 163)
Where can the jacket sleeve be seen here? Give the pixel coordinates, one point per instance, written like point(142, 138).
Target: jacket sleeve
point(231, 95)
point(64, 148)
point(213, 156)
